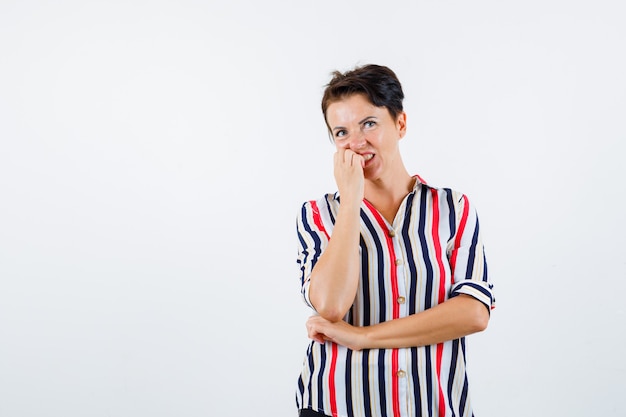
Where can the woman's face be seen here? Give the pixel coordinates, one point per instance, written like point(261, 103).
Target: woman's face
point(368, 130)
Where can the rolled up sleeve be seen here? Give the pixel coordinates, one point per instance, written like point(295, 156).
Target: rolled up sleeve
point(312, 239)
point(467, 257)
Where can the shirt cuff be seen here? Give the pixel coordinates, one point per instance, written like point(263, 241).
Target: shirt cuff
point(480, 290)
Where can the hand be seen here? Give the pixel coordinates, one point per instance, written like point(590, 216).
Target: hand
point(340, 332)
point(349, 175)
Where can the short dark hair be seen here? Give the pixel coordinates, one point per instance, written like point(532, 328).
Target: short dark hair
point(376, 82)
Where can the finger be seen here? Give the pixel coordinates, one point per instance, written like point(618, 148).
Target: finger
point(311, 329)
point(310, 322)
point(358, 160)
point(338, 157)
point(318, 337)
point(348, 155)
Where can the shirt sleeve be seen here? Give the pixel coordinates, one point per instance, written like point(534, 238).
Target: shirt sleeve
point(312, 240)
point(467, 256)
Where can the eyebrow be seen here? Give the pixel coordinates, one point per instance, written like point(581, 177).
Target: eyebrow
point(360, 122)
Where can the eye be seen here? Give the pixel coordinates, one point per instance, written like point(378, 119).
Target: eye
point(340, 133)
point(369, 124)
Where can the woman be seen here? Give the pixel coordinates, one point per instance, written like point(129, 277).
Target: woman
point(403, 279)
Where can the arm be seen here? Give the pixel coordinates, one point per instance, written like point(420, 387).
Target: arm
point(453, 319)
point(335, 277)
point(466, 311)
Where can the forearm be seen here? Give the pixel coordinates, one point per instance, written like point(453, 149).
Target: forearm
point(335, 277)
point(455, 318)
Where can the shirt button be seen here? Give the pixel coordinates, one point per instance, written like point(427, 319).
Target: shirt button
point(401, 300)
point(398, 261)
point(401, 374)
point(392, 233)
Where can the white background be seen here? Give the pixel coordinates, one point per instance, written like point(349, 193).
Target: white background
point(154, 155)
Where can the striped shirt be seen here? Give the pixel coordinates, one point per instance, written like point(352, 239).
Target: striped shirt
point(432, 252)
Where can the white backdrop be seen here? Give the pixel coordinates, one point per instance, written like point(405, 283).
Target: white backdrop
point(154, 154)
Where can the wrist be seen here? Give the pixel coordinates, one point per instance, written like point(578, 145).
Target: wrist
point(350, 206)
point(362, 339)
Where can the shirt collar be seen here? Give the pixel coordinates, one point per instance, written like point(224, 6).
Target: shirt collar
point(418, 182)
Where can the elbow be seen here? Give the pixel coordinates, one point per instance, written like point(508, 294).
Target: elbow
point(331, 310)
point(475, 313)
point(480, 318)
point(331, 313)
point(330, 307)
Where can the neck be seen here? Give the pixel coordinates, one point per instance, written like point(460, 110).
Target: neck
point(396, 185)
point(387, 194)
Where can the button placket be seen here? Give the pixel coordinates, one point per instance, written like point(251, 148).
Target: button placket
point(399, 263)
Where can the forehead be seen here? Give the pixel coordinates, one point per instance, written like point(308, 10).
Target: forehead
point(353, 108)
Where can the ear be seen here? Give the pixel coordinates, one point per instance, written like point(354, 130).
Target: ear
point(401, 124)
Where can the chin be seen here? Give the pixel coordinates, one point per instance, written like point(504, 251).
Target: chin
point(371, 175)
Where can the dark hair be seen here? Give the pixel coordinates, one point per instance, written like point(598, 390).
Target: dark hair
point(378, 83)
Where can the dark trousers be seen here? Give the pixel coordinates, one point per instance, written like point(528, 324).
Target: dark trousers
point(311, 413)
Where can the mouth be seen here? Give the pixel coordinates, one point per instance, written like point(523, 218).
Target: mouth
point(368, 157)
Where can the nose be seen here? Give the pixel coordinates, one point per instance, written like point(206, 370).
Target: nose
point(357, 141)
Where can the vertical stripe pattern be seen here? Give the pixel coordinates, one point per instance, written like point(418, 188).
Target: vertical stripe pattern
point(431, 253)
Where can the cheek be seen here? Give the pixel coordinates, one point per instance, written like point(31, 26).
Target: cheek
point(341, 144)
